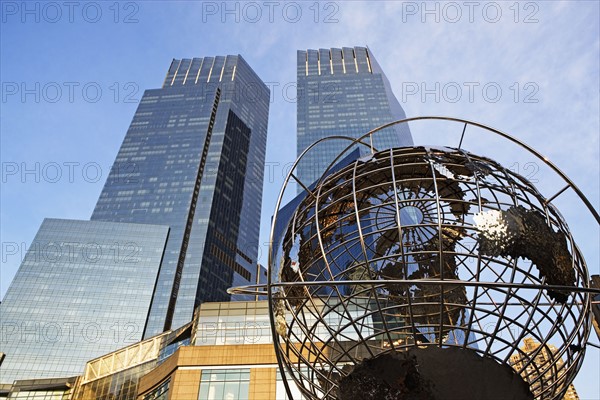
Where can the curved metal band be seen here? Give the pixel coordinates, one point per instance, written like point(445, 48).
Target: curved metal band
point(253, 289)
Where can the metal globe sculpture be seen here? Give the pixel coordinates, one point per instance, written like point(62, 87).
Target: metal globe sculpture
point(409, 249)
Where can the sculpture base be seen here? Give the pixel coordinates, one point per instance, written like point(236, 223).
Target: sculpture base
point(432, 373)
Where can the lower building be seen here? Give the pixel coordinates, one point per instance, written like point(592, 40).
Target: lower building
point(595, 283)
point(41, 389)
point(225, 353)
point(117, 375)
point(230, 356)
point(539, 365)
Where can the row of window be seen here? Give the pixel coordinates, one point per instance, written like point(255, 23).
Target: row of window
point(160, 393)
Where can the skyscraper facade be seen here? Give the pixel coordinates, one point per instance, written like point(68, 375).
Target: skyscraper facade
point(83, 289)
point(193, 159)
point(541, 364)
point(176, 224)
point(342, 92)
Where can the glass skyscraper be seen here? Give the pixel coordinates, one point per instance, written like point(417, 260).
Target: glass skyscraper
point(193, 159)
point(176, 224)
point(83, 289)
point(342, 92)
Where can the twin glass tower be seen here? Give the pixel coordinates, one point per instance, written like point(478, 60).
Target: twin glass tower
point(177, 222)
point(342, 92)
point(193, 159)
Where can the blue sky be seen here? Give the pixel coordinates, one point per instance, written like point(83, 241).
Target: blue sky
point(533, 68)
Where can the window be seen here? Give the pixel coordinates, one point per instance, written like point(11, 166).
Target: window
point(160, 393)
point(40, 395)
point(224, 384)
point(170, 349)
point(281, 394)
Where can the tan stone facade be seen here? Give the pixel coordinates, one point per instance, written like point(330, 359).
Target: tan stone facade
point(262, 383)
point(541, 359)
point(184, 368)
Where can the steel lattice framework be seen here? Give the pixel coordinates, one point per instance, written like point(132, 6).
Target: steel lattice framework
point(423, 247)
